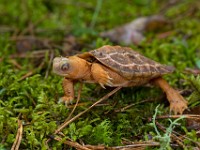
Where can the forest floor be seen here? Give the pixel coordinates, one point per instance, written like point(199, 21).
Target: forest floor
point(32, 33)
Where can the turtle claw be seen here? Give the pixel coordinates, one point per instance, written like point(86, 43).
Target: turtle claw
point(67, 103)
point(110, 79)
point(109, 83)
point(177, 103)
point(102, 85)
point(105, 79)
point(66, 100)
point(60, 101)
point(178, 109)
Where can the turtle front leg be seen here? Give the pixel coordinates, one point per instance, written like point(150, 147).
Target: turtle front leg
point(100, 75)
point(177, 103)
point(68, 88)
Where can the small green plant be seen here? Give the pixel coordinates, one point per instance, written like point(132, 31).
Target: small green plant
point(164, 139)
point(96, 13)
point(194, 98)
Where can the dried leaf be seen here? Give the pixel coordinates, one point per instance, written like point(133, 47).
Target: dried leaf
point(132, 33)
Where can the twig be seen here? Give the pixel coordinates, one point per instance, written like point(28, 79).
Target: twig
point(188, 116)
point(83, 112)
point(96, 147)
point(192, 71)
point(79, 104)
point(35, 54)
point(185, 137)
point(15, 63)
point(78, 99)
point(30, 73)
point(18, 138)
point(27, 37)
point(4, 29)
point(49, 64)
point(131, 105)
point(71, 143)
point(164, 34)
point(134, 145)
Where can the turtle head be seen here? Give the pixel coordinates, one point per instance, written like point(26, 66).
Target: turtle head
point(71, 67)
point(61, 66)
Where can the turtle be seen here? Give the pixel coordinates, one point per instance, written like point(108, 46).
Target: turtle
point(115, 66)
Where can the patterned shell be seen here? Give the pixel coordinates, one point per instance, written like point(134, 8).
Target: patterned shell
point(129, 63)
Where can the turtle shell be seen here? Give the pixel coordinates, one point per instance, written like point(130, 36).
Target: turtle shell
point(129, 63)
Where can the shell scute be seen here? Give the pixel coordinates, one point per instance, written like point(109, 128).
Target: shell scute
point(129, 63)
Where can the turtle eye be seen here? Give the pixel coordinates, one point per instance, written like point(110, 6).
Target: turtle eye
point(65, 67)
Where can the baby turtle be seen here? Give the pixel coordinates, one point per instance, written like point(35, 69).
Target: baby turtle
point(115, 66)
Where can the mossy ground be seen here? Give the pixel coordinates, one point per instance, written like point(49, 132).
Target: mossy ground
point(33, 99)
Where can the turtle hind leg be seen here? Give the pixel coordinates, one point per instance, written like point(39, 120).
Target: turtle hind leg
point(177, 103)
point(100, 75)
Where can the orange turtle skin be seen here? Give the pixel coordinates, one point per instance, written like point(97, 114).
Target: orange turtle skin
point(115, 66)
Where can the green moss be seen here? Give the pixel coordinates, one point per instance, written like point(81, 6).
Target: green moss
point(34, 99)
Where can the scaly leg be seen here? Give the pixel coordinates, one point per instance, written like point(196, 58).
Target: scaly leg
point(177, 103)
point(68, 88)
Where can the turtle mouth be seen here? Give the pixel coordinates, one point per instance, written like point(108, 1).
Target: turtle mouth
point(62, 74)
point(59, 72)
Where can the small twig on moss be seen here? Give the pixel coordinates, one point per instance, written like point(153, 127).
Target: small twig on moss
point(78, 99)
point(164, 35)
point(30, 73)
point(131, 105)
point(192, 71)
point(182, 137)
point(49, 64)
point(83, 112)
point(134, 145)
point(15, 63)
point(79, 104)
point(18, 138)
point(71, 143)
point(140, 146)
point(34, 54)
point(188, 116)
point(67, 122)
